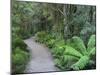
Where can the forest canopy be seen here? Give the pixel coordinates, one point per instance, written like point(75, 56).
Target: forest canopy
point(59, 19)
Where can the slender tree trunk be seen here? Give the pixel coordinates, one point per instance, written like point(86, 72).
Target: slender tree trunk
point(66, 17)
point(91, 14)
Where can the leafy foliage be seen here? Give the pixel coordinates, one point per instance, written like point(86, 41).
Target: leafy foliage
point(41, 36)
point(91, 42)
point(74, 55)
point(20, 54)
point(50, 43)
point(84, 59)
point(18, 42)
point(19, 59)
point(57, 51)
point(71, 51)
point(65, 29)
point(93, 51)
point(79, 45)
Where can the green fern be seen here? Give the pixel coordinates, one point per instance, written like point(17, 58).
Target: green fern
point(76, 55)
point(59, 43)
point(92, 52)
point(83, 61)
point(71, 51)
point(57, 51)
point(65, 61)
point(69, 57)
point(50, 43)
point(40, 36)
point(91, 43)
point(68, 60)
point(78, 44)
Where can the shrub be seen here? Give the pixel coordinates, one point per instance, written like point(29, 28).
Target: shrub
point(20, 55)
point(18, 42)
point(40, 36)
point(50, 43)
point(57, 51)
point(45, 38)
point(19, 60)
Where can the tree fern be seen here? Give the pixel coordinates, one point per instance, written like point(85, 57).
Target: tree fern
point(76, 55)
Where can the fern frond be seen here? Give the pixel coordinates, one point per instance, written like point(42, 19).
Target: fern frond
point(56, 61)
point(84, 60)
point(59, 43)
point(92, 52)
point(78, 44)
point(68, 60)
point(65, 61)
point(71, 51)
point(57, 51)
point(91, 43)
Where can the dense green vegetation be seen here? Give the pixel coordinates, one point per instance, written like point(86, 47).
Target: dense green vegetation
point(68, 30)
point(72, 55)
point(20, 54)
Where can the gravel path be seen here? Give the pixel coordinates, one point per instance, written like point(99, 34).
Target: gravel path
point(41, 58)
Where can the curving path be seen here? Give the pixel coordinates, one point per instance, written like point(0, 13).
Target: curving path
point(41, 59)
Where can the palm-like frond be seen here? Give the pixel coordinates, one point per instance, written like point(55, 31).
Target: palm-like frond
point(92, 52)
point(79, 45)
point(83, 61)
point(68, 60)
point(71, 51)
point(91, 43)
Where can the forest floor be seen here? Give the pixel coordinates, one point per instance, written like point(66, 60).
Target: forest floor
point(41, 58)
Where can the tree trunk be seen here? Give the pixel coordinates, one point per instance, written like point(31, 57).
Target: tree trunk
point(66, 26)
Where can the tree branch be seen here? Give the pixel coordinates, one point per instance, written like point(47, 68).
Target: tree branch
point(60, 11)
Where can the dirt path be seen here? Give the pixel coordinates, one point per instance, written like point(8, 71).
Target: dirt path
point(41, 59)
